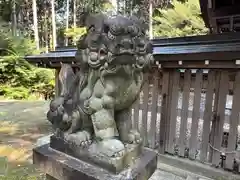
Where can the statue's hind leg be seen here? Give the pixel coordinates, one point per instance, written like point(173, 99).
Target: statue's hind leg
point(126, 133)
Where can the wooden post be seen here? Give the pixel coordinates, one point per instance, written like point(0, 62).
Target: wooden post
point(196, 114)
point(145, 110)
point(57, 88)
point(154, 109)
point(166, 84)
point(224, 81)
point(233, 123)
point(173, 112)
point(207, 117)
point(184, 114)
point(213, 128)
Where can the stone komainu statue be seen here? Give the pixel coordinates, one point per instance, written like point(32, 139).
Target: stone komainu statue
point(92, 105)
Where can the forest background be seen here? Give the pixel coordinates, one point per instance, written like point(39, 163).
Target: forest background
point(37, 26)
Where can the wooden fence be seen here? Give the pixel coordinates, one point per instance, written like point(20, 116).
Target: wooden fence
point(191, 114)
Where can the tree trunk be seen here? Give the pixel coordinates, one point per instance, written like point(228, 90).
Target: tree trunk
point(35, 23)
point(26, 22)
point(74, 17)
point(14, 18)
point(54, 32)
point(74, 13)
point(46, 27)
point(150, 20)
point(27, 13)
point(19, 22)
point(67, 23)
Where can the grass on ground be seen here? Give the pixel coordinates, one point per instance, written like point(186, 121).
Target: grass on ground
point(21, 124)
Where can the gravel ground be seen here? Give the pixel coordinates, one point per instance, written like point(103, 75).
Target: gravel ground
point(30, 120)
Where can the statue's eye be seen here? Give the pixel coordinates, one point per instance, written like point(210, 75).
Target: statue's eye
point(133, 30)
point(116, 30)
point(111, 36)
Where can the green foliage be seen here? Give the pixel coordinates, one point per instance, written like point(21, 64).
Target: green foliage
point(15, 70)
point(44, 82)
point(15, 92)
point(19, 79)
point(107, 6)
point(181, 20)
point(75, 33)
point(93, 6)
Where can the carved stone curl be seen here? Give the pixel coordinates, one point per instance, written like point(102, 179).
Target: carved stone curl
point(91, 109)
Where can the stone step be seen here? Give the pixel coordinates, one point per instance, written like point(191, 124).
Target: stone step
point(162, 175)
point(195, 178)
point(192, 178)
point(180, 173)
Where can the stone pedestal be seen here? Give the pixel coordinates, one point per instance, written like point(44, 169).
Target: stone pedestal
point(90, 154)
point(60, 166)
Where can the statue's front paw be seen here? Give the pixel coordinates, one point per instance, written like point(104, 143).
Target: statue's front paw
point(56, 110)
point(56, 104)
point(55, 116)
point(65, 122)
point(112, 148)
point(134, 137)
point(82, 138)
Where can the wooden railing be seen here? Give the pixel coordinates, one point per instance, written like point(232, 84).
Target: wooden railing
point(195, 116)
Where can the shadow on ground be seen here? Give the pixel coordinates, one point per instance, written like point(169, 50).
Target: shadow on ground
point(21, 124)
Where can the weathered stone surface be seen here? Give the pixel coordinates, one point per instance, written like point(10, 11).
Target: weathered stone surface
point(63, 167)
point(91, 154)
point(43, 140)
point(192, 178)
point(90, 115)
point(48, 177)
point(93, 103)
point(162, 175)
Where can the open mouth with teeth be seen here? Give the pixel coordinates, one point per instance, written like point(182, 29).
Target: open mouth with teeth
point(123, 58)
point(125, 52)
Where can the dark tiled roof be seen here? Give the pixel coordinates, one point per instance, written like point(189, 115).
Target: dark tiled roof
point(209, 47)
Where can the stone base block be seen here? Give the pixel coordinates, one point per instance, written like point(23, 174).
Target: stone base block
point(91, 154)
point(61, 166)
